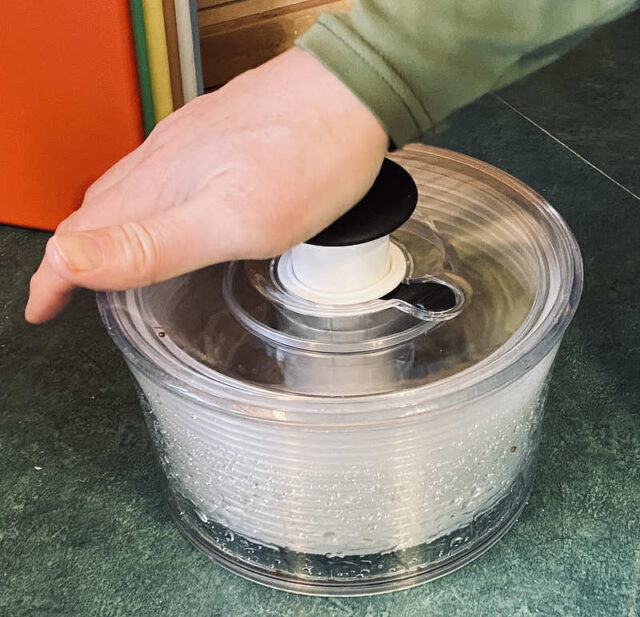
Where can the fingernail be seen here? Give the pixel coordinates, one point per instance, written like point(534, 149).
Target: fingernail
point(79, 253)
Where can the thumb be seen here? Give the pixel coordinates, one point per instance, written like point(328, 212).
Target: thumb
point(133, 254)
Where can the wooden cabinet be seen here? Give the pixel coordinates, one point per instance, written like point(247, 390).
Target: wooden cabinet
point(237, 35)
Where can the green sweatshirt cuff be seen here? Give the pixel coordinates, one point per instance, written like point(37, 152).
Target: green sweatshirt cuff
point(364, 71)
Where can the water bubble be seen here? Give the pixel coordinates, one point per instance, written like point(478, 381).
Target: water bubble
point(202, 516)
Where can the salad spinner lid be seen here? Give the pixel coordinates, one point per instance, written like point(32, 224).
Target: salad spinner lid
point(419, 282)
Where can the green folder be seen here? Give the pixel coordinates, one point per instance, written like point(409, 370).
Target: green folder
point(142, 60)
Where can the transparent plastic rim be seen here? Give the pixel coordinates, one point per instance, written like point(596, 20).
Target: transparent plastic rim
point(533, 341)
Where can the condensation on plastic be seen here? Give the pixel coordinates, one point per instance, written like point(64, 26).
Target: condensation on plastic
point(368, 488)
point(350, 490)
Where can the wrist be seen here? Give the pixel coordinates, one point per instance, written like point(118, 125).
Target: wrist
point(343, 140)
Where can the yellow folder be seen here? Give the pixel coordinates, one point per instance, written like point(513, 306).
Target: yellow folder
point(158, 58)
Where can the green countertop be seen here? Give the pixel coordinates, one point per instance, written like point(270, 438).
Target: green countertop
point(83, 529)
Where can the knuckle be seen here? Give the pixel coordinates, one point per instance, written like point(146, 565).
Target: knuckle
point(92, 191)
point(80, 220)
point(69, 224)
point(137, 249)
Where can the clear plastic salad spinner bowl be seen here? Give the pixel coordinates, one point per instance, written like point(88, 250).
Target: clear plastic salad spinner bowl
point(361, 414)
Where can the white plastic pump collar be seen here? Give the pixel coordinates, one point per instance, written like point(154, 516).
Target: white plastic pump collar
point(343, 274)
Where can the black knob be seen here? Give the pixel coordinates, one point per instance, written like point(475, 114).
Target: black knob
point(389, 202)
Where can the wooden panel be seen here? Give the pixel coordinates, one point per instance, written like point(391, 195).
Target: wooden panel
point(204, 4)
point(238, 36)
point(221, 10)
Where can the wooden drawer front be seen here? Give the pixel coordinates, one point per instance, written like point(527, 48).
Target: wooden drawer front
point(242, 34)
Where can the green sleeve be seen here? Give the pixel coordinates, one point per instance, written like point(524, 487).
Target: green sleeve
point(413, 62)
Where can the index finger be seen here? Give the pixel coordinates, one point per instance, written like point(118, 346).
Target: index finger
point(48, 294)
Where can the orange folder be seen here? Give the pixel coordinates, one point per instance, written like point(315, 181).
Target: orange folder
point(69, 104)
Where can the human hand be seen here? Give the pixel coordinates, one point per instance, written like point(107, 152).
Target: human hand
point(245, 172)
